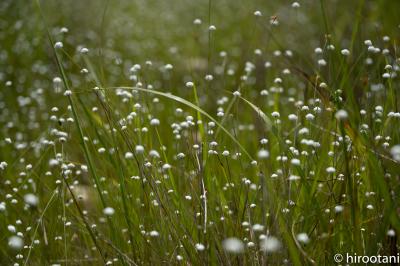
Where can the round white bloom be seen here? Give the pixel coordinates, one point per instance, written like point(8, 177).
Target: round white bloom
point(128, 155)
point(258, 227)
point(395, 152)
point(257, 13)
point(270, 244)
point(292, 117)
point(154, 122)
point(154, 153)
point(345, 52)
point(368, 42)
point(209, 77)
point(58, 45)
point(330, 170)
point(310, 117)
point(16, 242)
point(2, 206)
point(3, 165)
point(341, 115)
point(168, 66)
point(303, 238)
point(233, 245)
point(199, 247)
point(263, 154)
point(31, 199)
point(275, 114)
point(391, 233)
point(166, 166)
point(84, 50)
point(108, 211)
point(225, 153)
point(318, 50)
point(236, 93)
point(139, 149)
point(295, 161)
point(322, 62)
point(295, 5)
point(154, 233)
point(338, 208)
point(250, 244)
point(11, 228)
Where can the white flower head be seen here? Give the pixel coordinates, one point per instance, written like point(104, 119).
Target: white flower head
point(342, 115)
point(109, 211)
point(31, 200)
point(16, 242)
point(233, 245)
point(303, 238)
point(270, 244)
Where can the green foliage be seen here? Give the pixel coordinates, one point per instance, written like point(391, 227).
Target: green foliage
point(136, 133)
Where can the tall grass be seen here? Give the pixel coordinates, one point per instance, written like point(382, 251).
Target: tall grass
point(263, 133)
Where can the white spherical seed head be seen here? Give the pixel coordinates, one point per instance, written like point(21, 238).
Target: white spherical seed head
point(330, 170)
point(303, 238)
point(16, 242)
point(154, 154)
point(197, 21)
point(345, 52)
point(368, 42)
point(391, 233)
point(128, 155)
point(84, 50)
point(154, 122)
point(322, 62)
point(257, 13)
point(166, 166)
point(275, 114)
point(295, 5)
point(342, 115)
point(154, 233)
point(108, 211)
point(236, 93)
point(225, 153)
point(2, 206)
point(139, 149)
point(209, 77)
point(11, 228)
point(395, 152)
point(31, 200)
point(292, 117)
point(270, 244)
point(199, 247)
point(58, 45)
point(189, 84)
point(233, 245)
point(262, 154)
point(339, 208)
point(318, 50)
point(310, 117)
